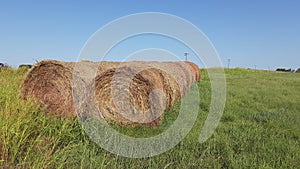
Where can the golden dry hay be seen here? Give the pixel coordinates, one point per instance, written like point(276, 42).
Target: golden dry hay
point(139, 92)
point(126, 93)
point(195, 70)
point(49, 82)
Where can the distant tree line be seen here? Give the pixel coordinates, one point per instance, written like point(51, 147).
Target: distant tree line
point(288, 70)
point(4, 66)
point(25, 66)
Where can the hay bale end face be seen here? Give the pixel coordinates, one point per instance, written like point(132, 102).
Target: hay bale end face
point(132, 94)
point(126, 93)
point(49, 82)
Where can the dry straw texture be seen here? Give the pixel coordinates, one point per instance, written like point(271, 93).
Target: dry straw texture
point(50, 83)
point(126, 93)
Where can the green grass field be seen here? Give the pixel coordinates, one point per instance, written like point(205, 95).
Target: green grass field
point(260, 128)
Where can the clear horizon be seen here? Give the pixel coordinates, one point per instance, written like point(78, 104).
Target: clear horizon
point(249, 33)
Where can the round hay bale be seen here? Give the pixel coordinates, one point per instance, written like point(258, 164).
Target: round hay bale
point(139, 92)
point(83, 87)
point(128, 93)
point(182, 73)
point(196, 71)
point(126, 96)
point(49, 82)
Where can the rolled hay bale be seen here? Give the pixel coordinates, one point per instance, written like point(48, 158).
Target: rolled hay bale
point(195, 70)
point(183, 75)
point(128, 93)
point(83, 89)
point(139, 92)
point(50, 82)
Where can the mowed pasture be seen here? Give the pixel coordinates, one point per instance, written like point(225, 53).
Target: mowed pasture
point(260, 128)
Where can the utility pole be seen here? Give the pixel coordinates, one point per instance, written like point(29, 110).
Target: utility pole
point(255, 67)
point(228, 63)
point(36, 61)
point(186, 55)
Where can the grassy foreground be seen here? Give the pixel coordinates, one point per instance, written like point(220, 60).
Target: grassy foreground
point(260, 128)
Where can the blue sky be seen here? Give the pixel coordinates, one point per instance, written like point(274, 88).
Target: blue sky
point(265, 33)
